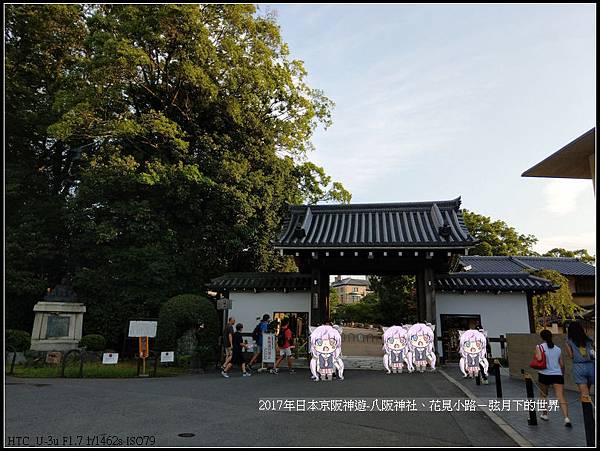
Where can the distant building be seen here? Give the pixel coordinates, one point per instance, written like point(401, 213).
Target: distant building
point(350, 290)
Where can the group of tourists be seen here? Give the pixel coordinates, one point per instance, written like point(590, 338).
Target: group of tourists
point(578, 347)
point(235, 346)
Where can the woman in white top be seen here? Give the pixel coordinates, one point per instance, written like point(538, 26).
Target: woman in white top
point(552, 374)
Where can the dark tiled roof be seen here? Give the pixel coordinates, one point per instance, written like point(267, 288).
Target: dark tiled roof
point(261, 281)
point(565, 266)
point(395, 225)
point(350, 281)
point(466, 281)
point(500, 264)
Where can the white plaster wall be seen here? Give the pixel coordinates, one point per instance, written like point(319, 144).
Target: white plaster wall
point(247, 306)
point(500, 313)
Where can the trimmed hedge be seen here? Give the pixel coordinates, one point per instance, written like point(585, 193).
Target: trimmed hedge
point(19, 339)
point(184, 312)
point(93, 342)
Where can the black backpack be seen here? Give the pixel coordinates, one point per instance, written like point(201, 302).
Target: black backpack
point(281, 337)
point(256, 332)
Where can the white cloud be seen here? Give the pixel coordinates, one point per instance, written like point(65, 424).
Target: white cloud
point(562, 196)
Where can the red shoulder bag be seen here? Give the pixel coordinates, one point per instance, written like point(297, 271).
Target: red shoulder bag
point(539, 364)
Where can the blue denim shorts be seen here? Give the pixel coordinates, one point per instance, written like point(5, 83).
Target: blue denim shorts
point(584, 373)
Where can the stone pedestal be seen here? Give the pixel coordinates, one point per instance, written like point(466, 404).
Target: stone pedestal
point(57, 326)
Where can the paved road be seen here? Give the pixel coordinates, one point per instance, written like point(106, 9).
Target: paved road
point(224, 412)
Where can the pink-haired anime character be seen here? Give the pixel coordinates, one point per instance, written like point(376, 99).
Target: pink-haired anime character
point(472, 350)
point(397, 351)
point(420, 340)
point(326, 347)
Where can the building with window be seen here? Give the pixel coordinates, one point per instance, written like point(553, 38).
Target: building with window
point(350, 290)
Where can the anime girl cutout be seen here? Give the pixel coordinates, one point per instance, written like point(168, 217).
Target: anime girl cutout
point(397, 352)
point(326, 347)
point(420, 341)
point(473, 352)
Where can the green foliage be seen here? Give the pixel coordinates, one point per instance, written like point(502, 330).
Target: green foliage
point(397, 299)
point(18, 339)
point(497, 237)
point(334, 301)
point(392, 301)
point(93, 342)
point(185, 312)
point(184, 360)
point(559, 303)
point(581, 254)
point(364, 311)
point(149, 149)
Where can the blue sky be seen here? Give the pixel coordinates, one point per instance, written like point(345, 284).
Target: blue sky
point(437, 101)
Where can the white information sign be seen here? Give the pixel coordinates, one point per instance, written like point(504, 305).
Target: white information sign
point(110, 358)
point(268, 348)
point(167, 356)
point(142, 328)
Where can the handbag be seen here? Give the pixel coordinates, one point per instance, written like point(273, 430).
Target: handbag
point(539, 364)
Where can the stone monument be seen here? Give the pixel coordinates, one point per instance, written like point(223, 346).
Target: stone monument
point(58, 321)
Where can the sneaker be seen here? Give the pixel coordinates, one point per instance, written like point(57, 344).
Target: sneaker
point(544, 416)
point(486, 382)
point(246, 374)
point(292, 371)
point(224, 374)
point(568, 422)
point(274, 370)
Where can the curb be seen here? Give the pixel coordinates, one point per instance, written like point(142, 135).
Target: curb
point(508, 429)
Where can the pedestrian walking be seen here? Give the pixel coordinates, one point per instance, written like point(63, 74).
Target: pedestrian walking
point(552, 375)
point(257, 336)
point(228, 340)
point(285, 341)
point(580, 348)
point(237, 352)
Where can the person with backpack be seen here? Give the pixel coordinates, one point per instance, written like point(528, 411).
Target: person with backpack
point(580, 348)
point(551, 374)
point(285, 341)
point(257, 336)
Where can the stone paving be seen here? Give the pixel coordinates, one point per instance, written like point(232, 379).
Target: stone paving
point(546, 433)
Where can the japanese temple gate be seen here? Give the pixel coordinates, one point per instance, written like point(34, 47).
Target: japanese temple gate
point(412, 238)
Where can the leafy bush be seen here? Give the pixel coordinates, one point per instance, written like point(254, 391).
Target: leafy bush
point(184, 360)
point(92, 342)
point(183, 313)
point(18, 339)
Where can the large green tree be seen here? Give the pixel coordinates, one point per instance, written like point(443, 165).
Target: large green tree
point(397, 299)
point(496, 237)
point(558, 303)
point(168, 141)
point(43, 45)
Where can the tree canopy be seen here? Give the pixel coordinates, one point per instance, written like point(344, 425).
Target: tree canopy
point(150, 148)
point(555, 304)
point(581, 254)
point(496, 237)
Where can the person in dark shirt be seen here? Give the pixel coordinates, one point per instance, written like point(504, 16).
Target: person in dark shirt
point(228, 341)
point(237, 352)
